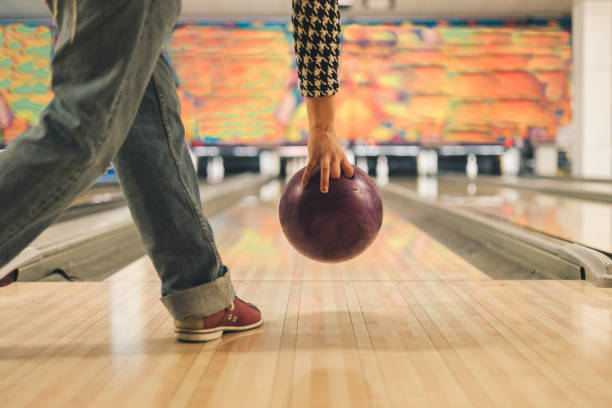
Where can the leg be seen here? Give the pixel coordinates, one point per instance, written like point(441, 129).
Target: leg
point(105, 55)
point(161, 187)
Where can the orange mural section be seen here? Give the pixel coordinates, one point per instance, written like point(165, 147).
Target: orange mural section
point(400, 83)
point(232, 82)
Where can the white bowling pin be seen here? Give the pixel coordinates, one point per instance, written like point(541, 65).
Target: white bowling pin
point(350, 155)
point(221, 167)
point(382, 170)
point(471, 168)
point(382, 166)
point(511, 162)
point(215, 170)
point(362, 163)
point(427, 162)
point(290, 169)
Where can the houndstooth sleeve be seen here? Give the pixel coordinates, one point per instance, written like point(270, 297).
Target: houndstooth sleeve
point(316, 37)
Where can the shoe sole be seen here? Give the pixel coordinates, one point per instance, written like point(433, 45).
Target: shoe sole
point(194, 335)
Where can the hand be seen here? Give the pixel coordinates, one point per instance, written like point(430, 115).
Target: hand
point(325, 151)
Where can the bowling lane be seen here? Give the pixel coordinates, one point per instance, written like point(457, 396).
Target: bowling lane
point(94, 245)
point(583, 221)
point(579, 185)
point(401, 252)
point(251, 242)
point(593, 190)
point(406, 317)
point(549, 183)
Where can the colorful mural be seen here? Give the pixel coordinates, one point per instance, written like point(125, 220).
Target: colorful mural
point(232, 82)
point(400, 83)
point(25, 53)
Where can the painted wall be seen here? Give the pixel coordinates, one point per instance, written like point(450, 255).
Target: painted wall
point(433, 84)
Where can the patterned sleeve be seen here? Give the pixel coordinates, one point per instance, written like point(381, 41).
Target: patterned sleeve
point(316, 35)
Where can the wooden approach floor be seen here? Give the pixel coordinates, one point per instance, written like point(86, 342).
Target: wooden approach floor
point(408, 324)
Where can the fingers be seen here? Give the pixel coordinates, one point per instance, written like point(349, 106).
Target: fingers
point(308, 173)
point(325, 168)
point(335, 168)
point(347, 168)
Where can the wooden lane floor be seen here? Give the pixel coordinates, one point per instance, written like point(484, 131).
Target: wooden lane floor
point(601, 187)
point(583, 221)
point(406, 324)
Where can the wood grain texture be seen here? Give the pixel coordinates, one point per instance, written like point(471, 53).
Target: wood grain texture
point(407, 324)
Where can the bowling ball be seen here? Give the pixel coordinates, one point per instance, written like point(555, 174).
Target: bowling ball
point(332, 227)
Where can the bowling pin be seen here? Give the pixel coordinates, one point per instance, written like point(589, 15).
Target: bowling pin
point(264, 163)
point(511, 162)
point(275, 164)
point(471, 168)
point(269, 163)
point(350, 155)
point(290, 168)
point(427, 162)
point(362, 163)
point(215, 170)
point(220, 168)
point(382, 170)
point(210, 170)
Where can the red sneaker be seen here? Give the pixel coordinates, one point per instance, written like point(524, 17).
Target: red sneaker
point(239, 316)
point(8, 279)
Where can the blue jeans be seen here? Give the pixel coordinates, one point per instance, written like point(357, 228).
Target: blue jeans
point(115, 100)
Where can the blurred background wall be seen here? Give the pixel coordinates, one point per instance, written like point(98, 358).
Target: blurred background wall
point(431, 84)
point(514, 72)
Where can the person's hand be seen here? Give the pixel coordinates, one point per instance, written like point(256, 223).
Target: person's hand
point(325, 151)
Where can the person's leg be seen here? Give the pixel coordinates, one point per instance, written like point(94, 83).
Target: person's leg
point(104, 61)
point(160, 184)
point(104, 58)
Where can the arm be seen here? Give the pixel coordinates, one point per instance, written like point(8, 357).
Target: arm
point(316, 33)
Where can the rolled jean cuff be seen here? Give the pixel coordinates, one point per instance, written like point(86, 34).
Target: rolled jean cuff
point(202, 300)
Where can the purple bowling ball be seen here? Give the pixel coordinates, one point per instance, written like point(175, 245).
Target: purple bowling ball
point(332, 227)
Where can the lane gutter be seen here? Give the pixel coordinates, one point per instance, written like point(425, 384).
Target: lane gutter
point(562, 259)
point(567, 192)
point(70, 245)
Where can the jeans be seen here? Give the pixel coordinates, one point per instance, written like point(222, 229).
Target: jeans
point(115, 100)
